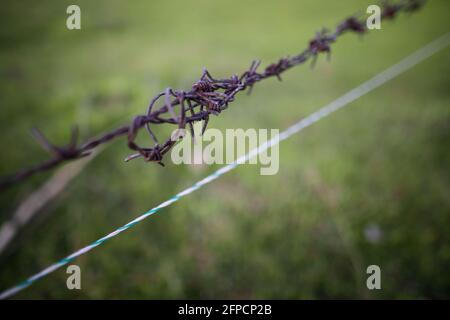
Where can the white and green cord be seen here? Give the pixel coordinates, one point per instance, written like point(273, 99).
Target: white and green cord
point(337, 104)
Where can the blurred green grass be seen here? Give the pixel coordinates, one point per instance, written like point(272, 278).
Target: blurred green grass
point(299, 234)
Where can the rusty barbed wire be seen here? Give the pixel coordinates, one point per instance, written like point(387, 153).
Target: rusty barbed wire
point(207, 96)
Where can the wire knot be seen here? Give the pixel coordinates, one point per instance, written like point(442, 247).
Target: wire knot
point(352, 24)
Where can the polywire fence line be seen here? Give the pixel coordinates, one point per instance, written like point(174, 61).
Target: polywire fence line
point(371, 84)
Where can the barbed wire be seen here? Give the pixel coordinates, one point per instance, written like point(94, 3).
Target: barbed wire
point(341, 102)
point(207, 96)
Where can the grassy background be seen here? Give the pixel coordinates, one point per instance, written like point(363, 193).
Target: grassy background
point(380, 163)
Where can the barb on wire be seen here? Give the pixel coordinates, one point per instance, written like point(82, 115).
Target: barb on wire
point(208, 96)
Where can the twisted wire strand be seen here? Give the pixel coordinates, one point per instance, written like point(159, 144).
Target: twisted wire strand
point(207, 96)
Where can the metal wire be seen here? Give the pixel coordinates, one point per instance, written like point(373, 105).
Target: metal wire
point(207, 96)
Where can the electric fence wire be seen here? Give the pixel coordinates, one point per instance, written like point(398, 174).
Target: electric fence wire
point(381, 78)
